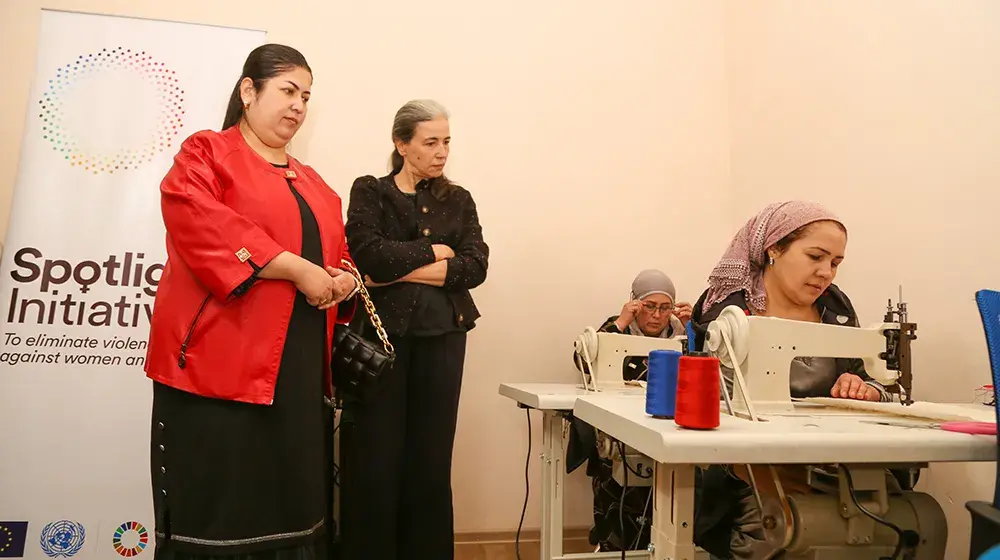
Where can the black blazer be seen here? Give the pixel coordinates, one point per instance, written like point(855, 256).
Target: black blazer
point(390, 235)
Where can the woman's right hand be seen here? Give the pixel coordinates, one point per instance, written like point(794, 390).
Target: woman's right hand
point(315, 283)
point(442, 252)
point(629, 311)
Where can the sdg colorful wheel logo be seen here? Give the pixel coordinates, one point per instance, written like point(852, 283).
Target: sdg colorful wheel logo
point(112, 110)
point(62, 538)
point(130, 539)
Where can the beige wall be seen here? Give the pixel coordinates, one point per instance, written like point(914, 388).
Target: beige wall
point(887, 111)
point(595, 138)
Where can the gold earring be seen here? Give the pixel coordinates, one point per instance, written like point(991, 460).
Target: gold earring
point(246, 106)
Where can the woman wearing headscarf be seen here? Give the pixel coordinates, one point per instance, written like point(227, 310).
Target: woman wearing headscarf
point(649, 311)
point(652, 311)
point(781, 263)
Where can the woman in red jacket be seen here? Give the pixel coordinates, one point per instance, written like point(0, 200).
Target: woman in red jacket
point(240, 337)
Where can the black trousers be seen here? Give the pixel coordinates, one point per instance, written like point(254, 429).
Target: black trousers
point(396, 482)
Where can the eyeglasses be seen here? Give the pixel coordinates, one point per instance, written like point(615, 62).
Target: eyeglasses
point(653, 308)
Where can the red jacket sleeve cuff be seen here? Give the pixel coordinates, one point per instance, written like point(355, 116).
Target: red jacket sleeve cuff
point(231, 273)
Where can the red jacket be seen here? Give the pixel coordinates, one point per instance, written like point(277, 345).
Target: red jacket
point(227, 210)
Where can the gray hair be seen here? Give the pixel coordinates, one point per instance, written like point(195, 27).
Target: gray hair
point(405, 124)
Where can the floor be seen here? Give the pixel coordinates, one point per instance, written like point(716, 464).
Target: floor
point(500, 546)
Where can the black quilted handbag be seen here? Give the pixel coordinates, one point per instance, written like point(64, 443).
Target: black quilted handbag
point(357, 363)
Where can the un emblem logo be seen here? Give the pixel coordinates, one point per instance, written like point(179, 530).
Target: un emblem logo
point(62, 538)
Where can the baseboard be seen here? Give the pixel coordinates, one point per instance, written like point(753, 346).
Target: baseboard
point(500, 545)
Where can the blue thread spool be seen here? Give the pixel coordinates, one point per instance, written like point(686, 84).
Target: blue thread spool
point(661, 383)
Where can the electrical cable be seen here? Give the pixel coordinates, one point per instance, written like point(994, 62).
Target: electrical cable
point(635, 471)
point(524, 508)
point(906, 538)
point(642, 520)
point(621, 502)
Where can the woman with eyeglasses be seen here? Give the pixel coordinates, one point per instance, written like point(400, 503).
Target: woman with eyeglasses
point(650, 311)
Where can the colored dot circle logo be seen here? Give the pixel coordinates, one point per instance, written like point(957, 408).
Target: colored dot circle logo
point(130, 539)
point(62, 539)
point(111, 111)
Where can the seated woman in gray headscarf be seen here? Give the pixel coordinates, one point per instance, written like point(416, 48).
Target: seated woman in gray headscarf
point(652, 311)
point(649, 311)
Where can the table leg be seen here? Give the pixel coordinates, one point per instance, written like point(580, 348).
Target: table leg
point(673, 513)
point(554, 446)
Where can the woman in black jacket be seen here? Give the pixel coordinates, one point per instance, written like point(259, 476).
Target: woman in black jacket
point(416, 237)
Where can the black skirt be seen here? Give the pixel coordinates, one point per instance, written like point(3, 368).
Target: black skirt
point(256, 481)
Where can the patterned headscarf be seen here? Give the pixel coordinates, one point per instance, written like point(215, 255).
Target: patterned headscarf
point(742, 266)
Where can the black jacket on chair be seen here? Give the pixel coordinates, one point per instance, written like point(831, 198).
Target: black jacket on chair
point(390, 233)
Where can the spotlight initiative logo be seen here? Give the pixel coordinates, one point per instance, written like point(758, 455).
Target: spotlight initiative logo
point(112, 110)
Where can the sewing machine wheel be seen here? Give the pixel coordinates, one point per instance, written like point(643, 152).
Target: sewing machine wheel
point(588, 340)
point(778, 524)
point(606, 448)
point(733, 322)
point(815, 529)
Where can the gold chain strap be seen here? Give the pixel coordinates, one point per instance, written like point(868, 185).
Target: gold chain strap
point(369, 306)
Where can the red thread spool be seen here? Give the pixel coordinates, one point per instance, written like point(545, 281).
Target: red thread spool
point(697, 392)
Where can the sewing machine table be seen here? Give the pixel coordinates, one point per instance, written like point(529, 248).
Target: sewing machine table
point(807, 436)
point(555, 401)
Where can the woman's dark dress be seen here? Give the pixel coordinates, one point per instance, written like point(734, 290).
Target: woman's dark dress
point(243, 480)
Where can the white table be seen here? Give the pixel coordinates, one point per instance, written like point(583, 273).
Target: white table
point(555, 400)
point(812, 435)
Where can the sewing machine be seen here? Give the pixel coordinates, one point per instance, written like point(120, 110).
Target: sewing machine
point(604, 355)
point(760, 350)
point(837, 520)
